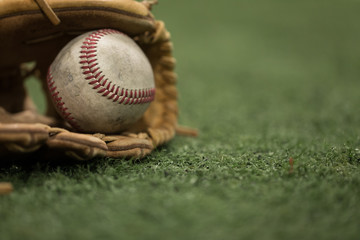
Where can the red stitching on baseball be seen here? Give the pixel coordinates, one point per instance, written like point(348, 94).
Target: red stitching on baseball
point(88, 59)
point(59, 103)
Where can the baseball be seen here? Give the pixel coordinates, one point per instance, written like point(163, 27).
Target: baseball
point(101, 81)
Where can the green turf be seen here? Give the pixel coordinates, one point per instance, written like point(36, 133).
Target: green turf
point(263, 81)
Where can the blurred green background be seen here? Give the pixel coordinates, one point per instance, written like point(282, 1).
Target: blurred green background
point(263, 81)
point(290, 66)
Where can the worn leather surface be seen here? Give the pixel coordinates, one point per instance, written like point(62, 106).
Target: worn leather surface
point(26, 34)
point(20, 6)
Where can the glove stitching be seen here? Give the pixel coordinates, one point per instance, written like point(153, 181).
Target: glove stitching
point(140, 146)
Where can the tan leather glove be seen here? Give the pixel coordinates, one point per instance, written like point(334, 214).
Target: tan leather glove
point(36, 30)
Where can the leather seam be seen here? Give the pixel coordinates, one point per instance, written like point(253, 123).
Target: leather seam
point(83, 142)
point(72, 9)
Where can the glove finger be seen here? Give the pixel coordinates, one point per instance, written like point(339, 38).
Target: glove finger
point(32, 117)
point(128, 146)
point(23, 137)
point(186, 131)
point(26, 116)
point(78, 146)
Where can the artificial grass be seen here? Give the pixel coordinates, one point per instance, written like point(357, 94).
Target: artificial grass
point(263, 82)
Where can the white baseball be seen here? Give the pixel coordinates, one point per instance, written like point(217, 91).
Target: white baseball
point(101, 81)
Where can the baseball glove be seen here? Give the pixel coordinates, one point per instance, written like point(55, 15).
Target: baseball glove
point(35, 31)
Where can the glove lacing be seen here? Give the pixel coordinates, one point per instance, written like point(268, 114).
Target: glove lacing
point(48, 11)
